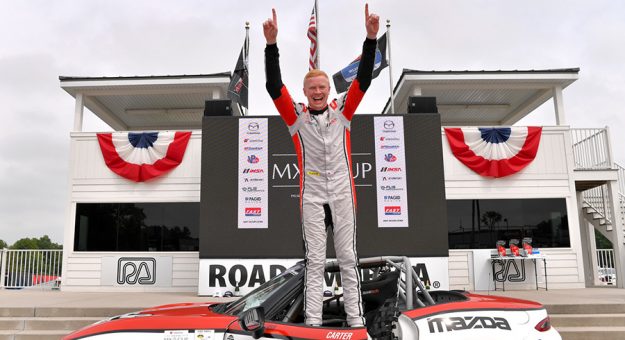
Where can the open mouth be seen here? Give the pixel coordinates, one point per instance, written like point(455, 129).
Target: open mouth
point(318, 99)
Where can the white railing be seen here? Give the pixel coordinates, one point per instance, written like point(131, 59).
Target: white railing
point(621, 178)
point(591, 149)
point(621, 199)
point(605, 267)
point(605, 258)
point(598, 199)
point(20, 268)
point(621, 193)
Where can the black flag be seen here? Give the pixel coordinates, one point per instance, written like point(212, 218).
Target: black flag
point(343, 78)
point(237, 90)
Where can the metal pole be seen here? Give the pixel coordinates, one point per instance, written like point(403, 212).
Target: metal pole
point(390, 64)
point(409, 289)
point(318, 36)
point(22, 267)
point(245, 62)
point(3, 265)
point(11, 268)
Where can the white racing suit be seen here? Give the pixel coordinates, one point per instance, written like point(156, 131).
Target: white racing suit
point(322, 145)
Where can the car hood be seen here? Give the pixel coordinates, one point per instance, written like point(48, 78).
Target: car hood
point(177, 309)
point(173, 316)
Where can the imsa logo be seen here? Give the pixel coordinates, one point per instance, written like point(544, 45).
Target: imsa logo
point(438, 325)
point(253, 171)
point(389, 169)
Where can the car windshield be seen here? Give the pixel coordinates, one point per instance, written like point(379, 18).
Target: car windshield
point(262, 293)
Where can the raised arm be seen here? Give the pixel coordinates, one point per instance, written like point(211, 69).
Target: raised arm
point(272, 57)
point(372, 23)
point(365, 68)
point(270, 28)
point(278, 92)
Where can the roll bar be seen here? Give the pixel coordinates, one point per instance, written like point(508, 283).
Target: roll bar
point(407, 288)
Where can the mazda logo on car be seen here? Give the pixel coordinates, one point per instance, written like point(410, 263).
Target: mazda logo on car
point(467, 322)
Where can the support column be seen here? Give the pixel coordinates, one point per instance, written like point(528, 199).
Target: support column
point(216, 94)
point(588, 244)
point(619, 236)
point(592, 249)
point(78, 112)
point(558, 105)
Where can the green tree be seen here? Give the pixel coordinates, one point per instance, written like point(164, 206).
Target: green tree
point(3, 244)
point(25, 243)
point(37, 262)
point(602, 241)
point(43, 242)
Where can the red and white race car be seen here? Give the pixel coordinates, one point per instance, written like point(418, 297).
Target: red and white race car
point(397, 306)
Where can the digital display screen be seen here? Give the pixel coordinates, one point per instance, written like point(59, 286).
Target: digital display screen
point(225, 193)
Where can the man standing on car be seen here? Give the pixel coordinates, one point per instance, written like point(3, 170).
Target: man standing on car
point(321, 134)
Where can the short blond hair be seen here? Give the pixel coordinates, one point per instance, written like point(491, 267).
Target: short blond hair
point(316, 73)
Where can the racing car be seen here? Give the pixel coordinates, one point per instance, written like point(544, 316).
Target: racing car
point(396, 303)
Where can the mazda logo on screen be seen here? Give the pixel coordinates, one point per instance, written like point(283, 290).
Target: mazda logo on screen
point(253, 126)
point(389, 124)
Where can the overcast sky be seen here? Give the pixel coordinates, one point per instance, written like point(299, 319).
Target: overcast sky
point(40, 40)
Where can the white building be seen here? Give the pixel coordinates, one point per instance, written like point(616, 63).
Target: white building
point(568, 164)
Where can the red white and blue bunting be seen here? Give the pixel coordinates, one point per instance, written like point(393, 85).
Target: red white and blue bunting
point(494, 152)
point(140, 156)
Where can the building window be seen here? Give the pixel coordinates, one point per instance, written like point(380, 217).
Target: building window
point(137, 226)
point(479, 224)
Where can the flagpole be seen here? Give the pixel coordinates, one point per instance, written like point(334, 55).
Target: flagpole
point(246, 63)
point(318, 40)
point(390, 63)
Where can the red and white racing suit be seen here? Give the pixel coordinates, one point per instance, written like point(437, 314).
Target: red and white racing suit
point(322, 145)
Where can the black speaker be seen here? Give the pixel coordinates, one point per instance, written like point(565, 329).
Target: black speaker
point(218, 107)
point(419, 104)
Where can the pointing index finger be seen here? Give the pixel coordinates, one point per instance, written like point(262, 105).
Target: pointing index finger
point(275, 16)
point(366, 11)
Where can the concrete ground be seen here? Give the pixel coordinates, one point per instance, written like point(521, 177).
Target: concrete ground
point(607, 295)
point(58, 299)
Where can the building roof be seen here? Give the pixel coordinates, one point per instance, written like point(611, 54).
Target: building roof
point(149, 102)
point(482, 97)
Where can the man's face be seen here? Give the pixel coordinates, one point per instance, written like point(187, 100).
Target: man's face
point(317, 90)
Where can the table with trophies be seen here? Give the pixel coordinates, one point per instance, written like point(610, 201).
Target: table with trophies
point(504, 264)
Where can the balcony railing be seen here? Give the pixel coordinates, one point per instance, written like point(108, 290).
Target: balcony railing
point(621, 179)
point(591, 149)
